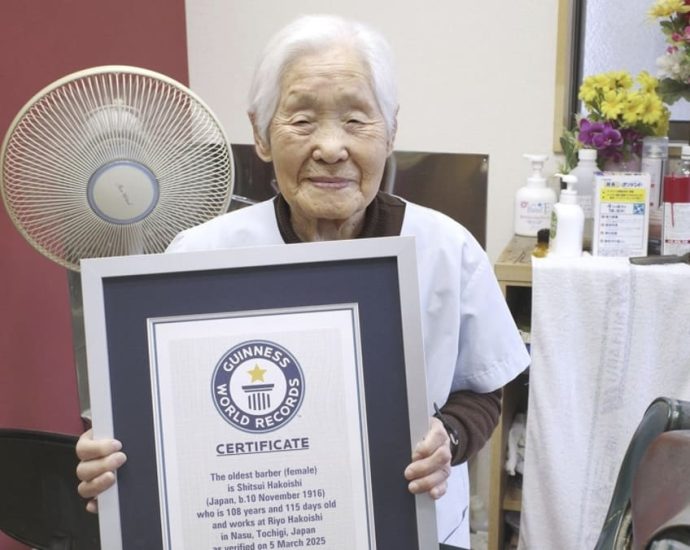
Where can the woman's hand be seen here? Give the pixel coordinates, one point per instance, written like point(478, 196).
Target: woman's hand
point(99, 460)
point(430, 465)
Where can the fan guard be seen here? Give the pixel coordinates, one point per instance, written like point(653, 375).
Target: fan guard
point(112, 161)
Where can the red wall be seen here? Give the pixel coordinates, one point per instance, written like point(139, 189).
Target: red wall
point(40, 41)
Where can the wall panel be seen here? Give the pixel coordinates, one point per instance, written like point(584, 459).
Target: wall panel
point(40, 41)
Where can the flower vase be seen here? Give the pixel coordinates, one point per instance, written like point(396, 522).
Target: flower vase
point(631, 164)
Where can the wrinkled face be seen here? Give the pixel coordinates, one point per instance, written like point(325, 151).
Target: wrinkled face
point(328, 138)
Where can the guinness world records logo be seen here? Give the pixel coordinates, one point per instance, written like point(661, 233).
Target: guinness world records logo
point(257, 386)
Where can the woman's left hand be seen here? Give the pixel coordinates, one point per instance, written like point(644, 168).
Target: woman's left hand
point(430, 465)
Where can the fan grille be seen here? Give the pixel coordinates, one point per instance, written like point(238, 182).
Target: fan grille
point(120, 121)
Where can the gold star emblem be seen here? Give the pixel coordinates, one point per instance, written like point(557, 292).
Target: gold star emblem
point(257, 374)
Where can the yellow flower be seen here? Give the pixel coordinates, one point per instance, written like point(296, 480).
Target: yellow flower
point(662, 126)
point(656, 116)
point(614, 97)
point(647, 82)
point(632, 108)
point(588, 93)
point(652, 110)
point(612, 104)
point(597, 81)
point(603, 83)
point(620, 79)
point(667, 8)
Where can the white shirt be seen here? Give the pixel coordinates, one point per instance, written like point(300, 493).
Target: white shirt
point(470, 338)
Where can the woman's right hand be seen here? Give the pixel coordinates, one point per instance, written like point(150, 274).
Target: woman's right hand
point(100, 458)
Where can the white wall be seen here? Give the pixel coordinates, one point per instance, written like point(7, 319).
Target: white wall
point(474, 76)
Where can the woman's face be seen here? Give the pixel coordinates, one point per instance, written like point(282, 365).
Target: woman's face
point(328, 138)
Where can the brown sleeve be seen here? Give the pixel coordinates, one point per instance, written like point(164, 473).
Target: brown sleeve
point(473, 416)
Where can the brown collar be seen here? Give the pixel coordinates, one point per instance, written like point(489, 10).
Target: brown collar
point(383, 218)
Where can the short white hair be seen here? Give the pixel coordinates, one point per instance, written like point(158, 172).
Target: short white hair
point(312, 33)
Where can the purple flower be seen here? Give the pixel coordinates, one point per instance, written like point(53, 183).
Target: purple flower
point(600, 135)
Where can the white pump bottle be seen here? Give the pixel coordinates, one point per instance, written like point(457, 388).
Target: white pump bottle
point(567, 223)
point(534, 202)
point(584, 172)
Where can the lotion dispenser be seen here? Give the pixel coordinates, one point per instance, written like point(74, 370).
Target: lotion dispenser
point(567, 222)
point(534, 202)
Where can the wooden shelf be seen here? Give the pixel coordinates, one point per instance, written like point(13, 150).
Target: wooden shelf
point(514, 273)
point(514, 265)
point(512, 498)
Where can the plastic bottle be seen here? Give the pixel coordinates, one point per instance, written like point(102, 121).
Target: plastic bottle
point(534, 202)
point(654, 161)
point(675, 235)
point(567, 223)
point(584, 172)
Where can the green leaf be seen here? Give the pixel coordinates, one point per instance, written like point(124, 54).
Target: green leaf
point(667, 26)
point(671, 90)
point(570, 146)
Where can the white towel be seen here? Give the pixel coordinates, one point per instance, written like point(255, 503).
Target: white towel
point(607, 338)
point(515, 463)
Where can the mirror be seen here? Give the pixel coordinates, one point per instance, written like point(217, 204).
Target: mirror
point(588, 43)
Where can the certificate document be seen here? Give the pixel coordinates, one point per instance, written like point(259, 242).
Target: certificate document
point(267, 397)
point(260, 429)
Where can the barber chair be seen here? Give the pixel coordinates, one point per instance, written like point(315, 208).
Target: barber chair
point(661, 494)
point(39, 504)
point(650, 506)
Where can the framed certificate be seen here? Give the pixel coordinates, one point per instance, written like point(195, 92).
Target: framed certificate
point(266, 397)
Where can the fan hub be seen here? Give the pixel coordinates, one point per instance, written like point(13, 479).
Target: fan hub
point(123, 192)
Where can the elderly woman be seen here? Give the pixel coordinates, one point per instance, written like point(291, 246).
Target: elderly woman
point(323, 110)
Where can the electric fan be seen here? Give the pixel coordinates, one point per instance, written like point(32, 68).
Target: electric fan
point(112, 161)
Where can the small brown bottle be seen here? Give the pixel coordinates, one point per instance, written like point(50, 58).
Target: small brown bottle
point(542, 248)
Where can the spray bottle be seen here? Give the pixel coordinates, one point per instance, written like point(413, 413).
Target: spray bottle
point(654, 161)
point(534, 202)
point(567, 223)
point(675, 231)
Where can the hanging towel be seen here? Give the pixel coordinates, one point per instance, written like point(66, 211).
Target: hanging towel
point(607, 338)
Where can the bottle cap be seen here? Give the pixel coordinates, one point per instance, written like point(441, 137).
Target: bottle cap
point(587, 154)
point(568, 195)
point(543, 235)
point(655, 146)
point(655, 151)
point(537, 178)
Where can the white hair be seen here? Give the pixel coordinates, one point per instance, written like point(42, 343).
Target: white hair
point(312, 33)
